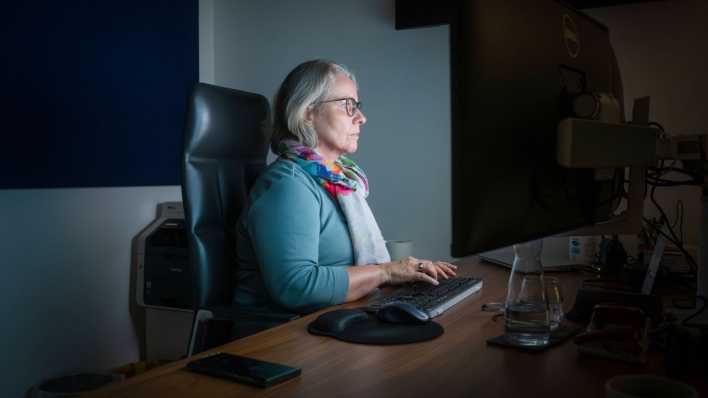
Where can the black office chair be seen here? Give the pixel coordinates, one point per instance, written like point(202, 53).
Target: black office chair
point(225, 148)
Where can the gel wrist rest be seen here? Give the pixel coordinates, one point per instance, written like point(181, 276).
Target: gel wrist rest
point(358, 326)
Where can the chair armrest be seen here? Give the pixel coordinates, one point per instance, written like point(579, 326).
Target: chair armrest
point(247, 323)
point(218, 325)
point(228, 313)
point(281, 317)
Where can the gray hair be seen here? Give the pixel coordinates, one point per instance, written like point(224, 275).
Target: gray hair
point(307, 84)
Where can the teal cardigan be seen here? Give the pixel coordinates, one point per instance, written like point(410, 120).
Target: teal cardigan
point(293, 245)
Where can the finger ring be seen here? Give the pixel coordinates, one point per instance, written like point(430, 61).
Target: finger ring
point(420, 266)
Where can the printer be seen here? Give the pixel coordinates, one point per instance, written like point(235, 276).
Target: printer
point(164, 273)
point(163, 283)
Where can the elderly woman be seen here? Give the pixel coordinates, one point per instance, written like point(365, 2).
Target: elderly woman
point(308, 238)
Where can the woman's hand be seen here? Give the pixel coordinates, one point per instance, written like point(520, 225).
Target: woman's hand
point(411, 269)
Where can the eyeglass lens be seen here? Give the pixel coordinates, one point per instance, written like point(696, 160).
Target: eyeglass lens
point(352, 106)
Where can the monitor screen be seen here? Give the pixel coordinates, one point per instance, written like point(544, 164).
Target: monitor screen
point(516, 65)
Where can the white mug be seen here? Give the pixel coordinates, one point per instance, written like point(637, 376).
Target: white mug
point(399, 249)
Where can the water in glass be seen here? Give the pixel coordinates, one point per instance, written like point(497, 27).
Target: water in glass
point(527, 319)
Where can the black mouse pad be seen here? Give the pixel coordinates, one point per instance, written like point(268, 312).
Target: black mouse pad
point(557, 336)
point(365, 328)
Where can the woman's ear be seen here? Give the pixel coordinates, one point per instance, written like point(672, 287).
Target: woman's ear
point(309, 115)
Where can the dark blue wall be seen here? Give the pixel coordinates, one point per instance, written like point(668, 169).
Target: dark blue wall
point(94, 93)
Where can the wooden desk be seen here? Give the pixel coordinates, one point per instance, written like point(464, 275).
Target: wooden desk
point(457, 364)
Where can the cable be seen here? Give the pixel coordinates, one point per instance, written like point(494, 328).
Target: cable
point(698, 312)
point(691, 261)
point(647, 177)
point(653, 177)
point(674, 238)
point(679, 219)
point(664, 217)
point(669, 183)
point(657, 125)
point(682, 170)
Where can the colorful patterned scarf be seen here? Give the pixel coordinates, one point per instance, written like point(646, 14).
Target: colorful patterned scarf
point(346, 182)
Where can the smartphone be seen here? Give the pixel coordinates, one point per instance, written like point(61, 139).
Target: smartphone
point(243, 369)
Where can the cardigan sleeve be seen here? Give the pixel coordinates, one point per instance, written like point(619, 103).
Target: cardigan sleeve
point(284, 226)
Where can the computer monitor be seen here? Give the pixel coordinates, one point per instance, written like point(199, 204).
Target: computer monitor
point(516, 67)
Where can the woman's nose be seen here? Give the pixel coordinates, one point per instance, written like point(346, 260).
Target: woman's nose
point(359, 117)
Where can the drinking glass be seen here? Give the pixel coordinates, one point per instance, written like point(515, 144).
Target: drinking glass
point(554, 295)
point(526, 309)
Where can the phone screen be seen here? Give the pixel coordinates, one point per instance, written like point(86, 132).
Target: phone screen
point(243, 369)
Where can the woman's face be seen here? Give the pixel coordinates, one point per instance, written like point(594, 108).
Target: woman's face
point(337, 132)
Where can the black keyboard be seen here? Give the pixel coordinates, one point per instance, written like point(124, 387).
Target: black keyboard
point(430, 298)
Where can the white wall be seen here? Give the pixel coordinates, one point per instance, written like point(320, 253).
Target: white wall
point(403, 82)
point(661, 50)
point(66, 277)
point(206, 41)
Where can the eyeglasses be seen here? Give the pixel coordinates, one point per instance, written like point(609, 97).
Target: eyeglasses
point(352, 105)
